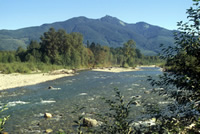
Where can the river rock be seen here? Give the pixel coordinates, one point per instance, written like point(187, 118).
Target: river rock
point(48, 131)
point(147, 92)
point(137, 103)
point(50, 87)
point(4, 133)
point(90, 122)
point(48, 115)
point(63, 71)
point(136, 97)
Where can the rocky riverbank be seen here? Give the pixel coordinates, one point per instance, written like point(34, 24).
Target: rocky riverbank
point(116, 69)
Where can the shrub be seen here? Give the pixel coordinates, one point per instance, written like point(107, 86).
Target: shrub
point(116, 120)
point(3, 119)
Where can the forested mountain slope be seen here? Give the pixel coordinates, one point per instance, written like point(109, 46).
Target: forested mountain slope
point(107, 30)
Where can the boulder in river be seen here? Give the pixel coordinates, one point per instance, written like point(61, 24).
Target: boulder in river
point(47, 115)
point(137, 103)
point(63, 71)
point(4, 132)
point(136, 97)
point(50, 87)
point(147, 92)
point(90, 122)
point(48, 131)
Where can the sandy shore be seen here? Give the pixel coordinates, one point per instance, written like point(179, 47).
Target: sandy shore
point(19, 80)
point(121, 69)
point(116, 69)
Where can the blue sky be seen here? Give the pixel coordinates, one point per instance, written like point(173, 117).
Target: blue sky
point(15, 14)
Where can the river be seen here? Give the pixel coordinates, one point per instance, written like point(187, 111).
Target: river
point(27, 105)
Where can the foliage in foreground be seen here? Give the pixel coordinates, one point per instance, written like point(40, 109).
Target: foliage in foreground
point(3, 119)
point(182, 81)
point(117, 119)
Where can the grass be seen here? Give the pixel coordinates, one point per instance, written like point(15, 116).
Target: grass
point(27, 67)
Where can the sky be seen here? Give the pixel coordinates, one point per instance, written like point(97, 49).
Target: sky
point(16, 14)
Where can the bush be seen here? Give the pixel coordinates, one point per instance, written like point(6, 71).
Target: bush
point(116, 120)
point(125, 65)
point(3, 119)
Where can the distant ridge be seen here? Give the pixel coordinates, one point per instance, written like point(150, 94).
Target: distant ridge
point(107, 30)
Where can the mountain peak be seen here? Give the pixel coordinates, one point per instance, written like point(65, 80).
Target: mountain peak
point(108, 17)
point(113, 20)
point(107, 30)
point(143, 25)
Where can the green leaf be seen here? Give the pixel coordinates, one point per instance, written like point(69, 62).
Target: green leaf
point(76, 122)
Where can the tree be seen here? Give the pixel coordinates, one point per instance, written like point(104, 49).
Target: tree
point(33, 52)
point(20, 53)
point(138, 53)
point(49, 45)
point(129, 52)
point(183, 81)
point(75, 58)
point(88, 44)
point(33, 45)
point(183, 60)
point(30, 58)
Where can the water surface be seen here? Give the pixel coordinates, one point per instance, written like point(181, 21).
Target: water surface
point(27, 105)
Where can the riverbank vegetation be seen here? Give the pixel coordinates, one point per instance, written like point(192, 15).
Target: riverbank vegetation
point(58, 49)
point(183, 81)
point(3, 119)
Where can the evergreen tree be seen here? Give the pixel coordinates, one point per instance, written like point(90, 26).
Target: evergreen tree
point(129, 52)
point(49, 45)
point(21, 53)
point(33, 52)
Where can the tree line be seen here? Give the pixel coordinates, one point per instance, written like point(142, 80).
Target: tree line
point(68, 50)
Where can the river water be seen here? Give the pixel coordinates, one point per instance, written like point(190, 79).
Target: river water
point(27, 105)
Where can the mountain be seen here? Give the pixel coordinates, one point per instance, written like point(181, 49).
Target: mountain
point(107, 30)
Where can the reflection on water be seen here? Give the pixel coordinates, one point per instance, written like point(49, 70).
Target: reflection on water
point(27, 105)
